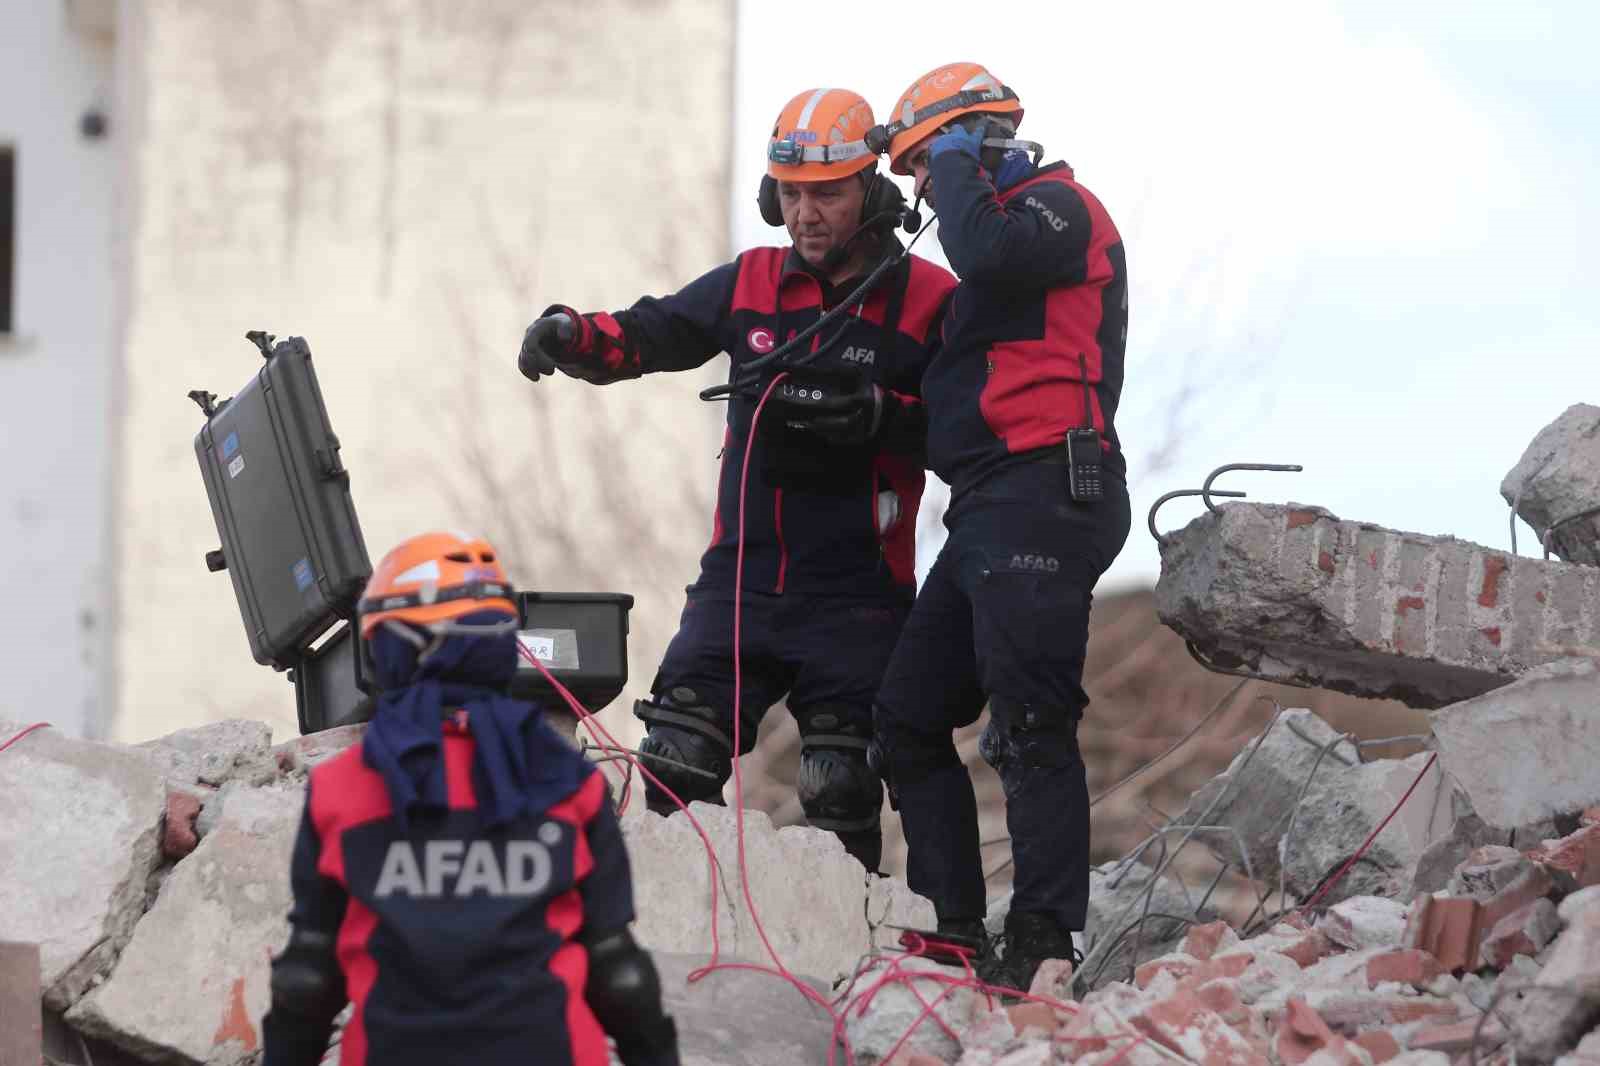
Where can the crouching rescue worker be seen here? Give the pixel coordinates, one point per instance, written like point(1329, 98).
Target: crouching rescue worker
point(1031, 365)
point(459, 878)
point(831, 491)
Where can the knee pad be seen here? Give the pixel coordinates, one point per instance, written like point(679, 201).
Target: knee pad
point(837, 788)
point(693, 754)
point(1027, 736)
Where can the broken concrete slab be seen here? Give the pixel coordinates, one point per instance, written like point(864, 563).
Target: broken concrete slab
point(1555, 486)
point(165, 999)
point(78, 842)
point(772, 1022)
point(1564, 1000)
point(1294, 593)
point(1298, 802)
point(1255, 795)
point(214, 754)
point(1339, 811)
point(1527, 751)
point(892, 906)
point(1116, 935)
point(302, 754)
point(810, 895)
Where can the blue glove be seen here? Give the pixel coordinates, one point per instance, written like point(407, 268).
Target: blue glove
point(958, 139)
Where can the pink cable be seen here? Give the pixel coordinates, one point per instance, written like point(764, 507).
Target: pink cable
point(24, 732)
point(1362, 850)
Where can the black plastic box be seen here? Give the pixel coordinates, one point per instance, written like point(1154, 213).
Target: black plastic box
point(581, 637)
point(281, 500)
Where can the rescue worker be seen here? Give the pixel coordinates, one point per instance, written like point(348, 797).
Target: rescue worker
point(832, 494)
point(460, 878)
point(1032, 351)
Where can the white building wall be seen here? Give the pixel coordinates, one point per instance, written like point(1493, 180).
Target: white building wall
point(58, 402)
point(406, 183)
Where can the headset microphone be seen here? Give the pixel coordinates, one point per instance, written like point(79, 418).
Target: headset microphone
point(910, 217)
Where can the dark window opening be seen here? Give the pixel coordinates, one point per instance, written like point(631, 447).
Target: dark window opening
point(8, 233)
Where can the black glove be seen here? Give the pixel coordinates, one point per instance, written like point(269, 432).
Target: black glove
point(848, 416)
point(546, 344)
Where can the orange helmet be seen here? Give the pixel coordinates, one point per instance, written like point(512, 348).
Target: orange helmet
point(820, 135)
point(434, 578)
point(933, 102)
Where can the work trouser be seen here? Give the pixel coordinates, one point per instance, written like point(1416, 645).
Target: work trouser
point(827, 654)
point(1002, 618)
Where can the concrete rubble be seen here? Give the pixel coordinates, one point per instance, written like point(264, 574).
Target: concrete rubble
point(1294, 593)
point(153, 880)
point(1438, 909)
point(1546, 720)
point(1555, 486)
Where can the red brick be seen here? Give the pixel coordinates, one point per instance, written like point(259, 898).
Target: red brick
point(1325, 562)
point(1522, 932)
point(1380, 1044)
point(1493, 567)
point(1576, 856)
point(178, 837)
point(1454, 1037)
point(1308, 949)
point(1492, 634)
point(1409, 966)
point(1302, 1033)
point(1032, 1016)
point(1182, 1024)
point(1202, 940)
point(1177, 967)
point(1297, 920)
point(1222, 997)
point(1296, 519)
point(1448, 929)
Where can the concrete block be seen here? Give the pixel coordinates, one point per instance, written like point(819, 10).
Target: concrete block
point(770, 1019)
point(810, 895)
point(892, 904)
point(1339, 811)
point(1343, 800)
point(1294, 593)
point(1364, 922)
point(1527, 751)
point(214, 754)
point(1587, 1053)
point(1564, 1001)
point(1555, 486)
point(21, 1016)
point(301, 754)
point(192, 983)
point(79, 839)
point(876, 1024)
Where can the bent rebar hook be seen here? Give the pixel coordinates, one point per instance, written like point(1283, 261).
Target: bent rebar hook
point(1206, 492)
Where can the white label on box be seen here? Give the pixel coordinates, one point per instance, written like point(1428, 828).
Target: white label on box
point(556, 648)
point(236, 466)
point(543, 648)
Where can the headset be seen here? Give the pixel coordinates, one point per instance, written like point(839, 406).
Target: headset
point(883, 199)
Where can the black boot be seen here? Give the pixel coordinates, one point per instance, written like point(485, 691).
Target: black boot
point(968, 932)
point(1028, 940)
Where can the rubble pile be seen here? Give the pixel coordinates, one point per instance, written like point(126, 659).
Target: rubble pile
point(1436, 909)
point(1509, 967)
point(151, 882)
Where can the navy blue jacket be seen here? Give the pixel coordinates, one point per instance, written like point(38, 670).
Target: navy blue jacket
point(460, 944)
point(1043, 283)
point(812, 510)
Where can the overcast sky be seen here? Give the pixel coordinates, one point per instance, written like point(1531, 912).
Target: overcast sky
point(1367, 238)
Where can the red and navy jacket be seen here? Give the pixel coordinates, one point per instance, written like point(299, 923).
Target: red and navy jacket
point(458, 944)
point(812, 510)
point(1042, 305)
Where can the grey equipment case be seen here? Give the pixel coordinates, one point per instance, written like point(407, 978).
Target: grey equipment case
point(281, 499)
